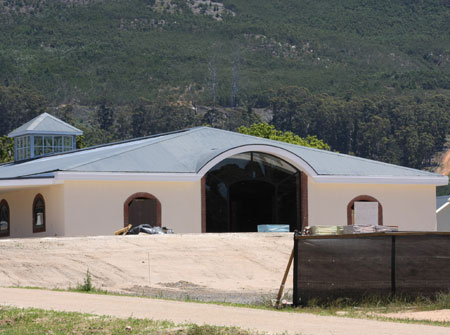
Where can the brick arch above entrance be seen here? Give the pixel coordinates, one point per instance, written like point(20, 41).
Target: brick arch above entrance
point(140, 195)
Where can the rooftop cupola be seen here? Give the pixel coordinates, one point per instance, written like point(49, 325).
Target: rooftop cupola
point(43, 135)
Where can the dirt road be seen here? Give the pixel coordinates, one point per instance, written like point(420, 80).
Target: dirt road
point(183, 312)
point(215, 267)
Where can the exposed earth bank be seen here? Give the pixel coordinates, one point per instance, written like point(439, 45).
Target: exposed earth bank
point(242, 268)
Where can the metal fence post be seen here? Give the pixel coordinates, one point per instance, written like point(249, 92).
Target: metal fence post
point(393, 257)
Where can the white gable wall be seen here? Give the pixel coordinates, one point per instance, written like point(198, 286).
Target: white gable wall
point(410, 207)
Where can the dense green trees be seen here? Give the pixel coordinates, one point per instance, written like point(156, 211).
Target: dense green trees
point(17, 106)
point(6, 149)
point(268, 131)
point(125, 50)
point(399, 130)
point(370, 78)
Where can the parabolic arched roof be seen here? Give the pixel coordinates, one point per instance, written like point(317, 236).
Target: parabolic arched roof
point(193, 151)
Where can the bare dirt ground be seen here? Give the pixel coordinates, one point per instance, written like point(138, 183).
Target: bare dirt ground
point(444, 167)
point(245, 268)
point(183, 312)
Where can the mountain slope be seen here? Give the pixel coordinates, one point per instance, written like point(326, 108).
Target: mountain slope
point(121, 50)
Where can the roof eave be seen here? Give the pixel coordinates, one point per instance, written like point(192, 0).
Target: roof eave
point(21, 182)
point(34, 132)
point(417, 180)
point(61, 176)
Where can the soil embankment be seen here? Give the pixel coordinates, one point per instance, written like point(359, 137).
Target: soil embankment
point(211, 267)
point(444, 166)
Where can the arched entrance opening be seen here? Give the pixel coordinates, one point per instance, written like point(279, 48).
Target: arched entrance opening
point(251, 189)
point(142, 208)
point(251, 204)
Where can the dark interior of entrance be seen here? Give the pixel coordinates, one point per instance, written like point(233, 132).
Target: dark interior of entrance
point(251, 189)
point(142, 211)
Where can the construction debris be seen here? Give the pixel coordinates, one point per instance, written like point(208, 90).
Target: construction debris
point(147, 229)
point(123, 231)
point(345, 230)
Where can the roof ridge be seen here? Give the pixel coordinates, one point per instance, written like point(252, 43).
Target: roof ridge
point(99, 146)
point(59, 120)
point(162, 139)
point(37, 120)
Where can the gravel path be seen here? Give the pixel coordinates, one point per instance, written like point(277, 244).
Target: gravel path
point(182, 312)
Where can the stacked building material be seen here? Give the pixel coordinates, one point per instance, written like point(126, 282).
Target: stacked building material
point(346, 230)
point(364, 229)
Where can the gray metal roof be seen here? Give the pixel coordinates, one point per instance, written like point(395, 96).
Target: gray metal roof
point(45, 124)
point(188, 151)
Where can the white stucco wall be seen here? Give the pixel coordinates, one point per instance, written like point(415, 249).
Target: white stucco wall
point(96, 207)
point(443, 218)
point(21, 210)
point(410, 207)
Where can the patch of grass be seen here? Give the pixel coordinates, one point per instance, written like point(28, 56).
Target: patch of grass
point(385, 304)
point(442, 301)
point(87, 286)
point(374, 307)
point(16, 321)
point(367, 308)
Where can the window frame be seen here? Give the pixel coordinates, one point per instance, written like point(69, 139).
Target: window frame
point(48, 144)
point(5, 233)
point(38, 229)
point(365, 198)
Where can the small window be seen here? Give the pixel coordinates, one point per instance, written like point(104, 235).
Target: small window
point(68, 145)
point(38, 214)
point(23, 147)
point(4, 218)
point(364, 209)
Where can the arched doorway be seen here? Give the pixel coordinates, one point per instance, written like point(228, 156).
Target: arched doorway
point(142, 208)
point(251, 204)
point(251, 189)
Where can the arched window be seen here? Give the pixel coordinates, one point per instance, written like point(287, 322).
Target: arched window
point(4, 218)
point(142, 208)
point(364, 207)
point(38, 214)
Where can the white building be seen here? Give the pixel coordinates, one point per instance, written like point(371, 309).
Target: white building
point(203, 180)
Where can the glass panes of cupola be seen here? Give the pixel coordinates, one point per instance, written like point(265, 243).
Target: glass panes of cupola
point(43, 135)
point(23, 147)
point(38, 145)
point(49, 144)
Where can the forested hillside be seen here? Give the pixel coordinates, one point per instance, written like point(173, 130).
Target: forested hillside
point(369, 77)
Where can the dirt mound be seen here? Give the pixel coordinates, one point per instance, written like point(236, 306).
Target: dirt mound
point(195, 266)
